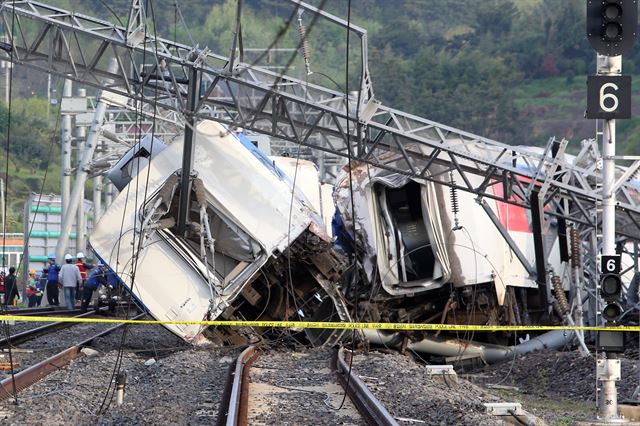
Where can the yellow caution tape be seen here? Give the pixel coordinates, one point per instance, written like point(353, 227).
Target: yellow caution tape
point(329, 325)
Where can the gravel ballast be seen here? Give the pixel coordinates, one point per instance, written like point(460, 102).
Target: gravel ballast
point(183, 387)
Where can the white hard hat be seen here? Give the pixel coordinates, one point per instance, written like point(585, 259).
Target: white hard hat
point(67, 257)
point(80, 255)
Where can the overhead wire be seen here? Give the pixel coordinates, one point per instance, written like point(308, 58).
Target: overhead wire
point(136, 251)
point(240, 122)
point(7, 331)
point(52, 143)
point(352, 256)
point(281, 33)
point(179, 11)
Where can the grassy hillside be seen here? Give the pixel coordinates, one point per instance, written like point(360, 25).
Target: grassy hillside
point(555, 107)
point(510, 70)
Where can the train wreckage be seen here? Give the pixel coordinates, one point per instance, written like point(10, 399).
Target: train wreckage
point(434, 224)
point(257, 249)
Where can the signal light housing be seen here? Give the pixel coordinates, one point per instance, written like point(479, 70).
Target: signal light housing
point(612, 312)
point(610, 287)
point(611, 25)
point(610, 341)
point(610, 291)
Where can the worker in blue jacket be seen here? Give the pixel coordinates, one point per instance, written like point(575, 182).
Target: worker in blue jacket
point(97, 278)
point(51, 272)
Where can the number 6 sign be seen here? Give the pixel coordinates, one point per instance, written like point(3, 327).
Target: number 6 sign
point(610, 264)
point(609, 96)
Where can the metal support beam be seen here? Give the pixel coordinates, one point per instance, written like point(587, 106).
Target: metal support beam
point(507, 237)
point(57, 41)
point(97, 199)
point(108, 195)
point(538, 245)
point(97, 194)
point(188, 151)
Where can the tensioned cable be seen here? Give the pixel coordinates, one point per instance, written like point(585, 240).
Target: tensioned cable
point(136, 251)
point(4, 227)
point(290, 286)
point(352, 256)
point(186, 27)
point(52, 143)
point(281, 32)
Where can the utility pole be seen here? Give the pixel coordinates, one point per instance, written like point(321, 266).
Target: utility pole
point(6, 66)
point(65, 150)
point(108, 195)
point(81, 136)
point(48, 96)
point(611, 30)
point(77, 196)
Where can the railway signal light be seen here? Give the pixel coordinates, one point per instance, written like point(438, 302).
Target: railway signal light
point(610, 290)
point(612, 25)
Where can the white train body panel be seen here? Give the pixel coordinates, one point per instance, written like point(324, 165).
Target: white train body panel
point(396, 216)
point(168, 278)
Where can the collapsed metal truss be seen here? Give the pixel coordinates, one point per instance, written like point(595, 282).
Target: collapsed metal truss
point(156, 71)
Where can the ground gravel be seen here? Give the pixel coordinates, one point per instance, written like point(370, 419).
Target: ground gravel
point(558, 386)
point(298, 388)
point(408, 392)
point(183, 385)
point(35, 350)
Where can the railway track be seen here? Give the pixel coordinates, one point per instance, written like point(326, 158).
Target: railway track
point(33, 329)
point(43, 311)
point(307, 388)
point(33, 362)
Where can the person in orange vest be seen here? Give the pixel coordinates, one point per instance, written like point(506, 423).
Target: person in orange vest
point(83, 267)
point(32, 289)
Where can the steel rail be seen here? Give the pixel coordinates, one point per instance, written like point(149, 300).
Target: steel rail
point(36, 372)
point(367, 404)
point(237, 405)
point(30, 312)
point(38, 331)
point(27, 311)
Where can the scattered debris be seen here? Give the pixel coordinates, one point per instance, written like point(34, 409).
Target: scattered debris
point(89, 352)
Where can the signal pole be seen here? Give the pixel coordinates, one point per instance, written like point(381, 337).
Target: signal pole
point(611, 30)
point(608, 370)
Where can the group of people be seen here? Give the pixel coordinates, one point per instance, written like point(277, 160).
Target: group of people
point(71, 277)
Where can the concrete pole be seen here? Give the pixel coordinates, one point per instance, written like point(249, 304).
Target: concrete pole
point(65, 153)
point(97, 199)
point(608, 404)
point(48, 96)
point(97, 193)
point(6, 65)
point(108, 195)
point(81, 175)
point(81, 136)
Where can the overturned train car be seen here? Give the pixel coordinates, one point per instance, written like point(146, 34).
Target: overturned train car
point(432, 254)
point(253, 249)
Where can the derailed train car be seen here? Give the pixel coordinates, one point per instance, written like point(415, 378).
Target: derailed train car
point(257, 249)
point(433, 254)
point(254, 248)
